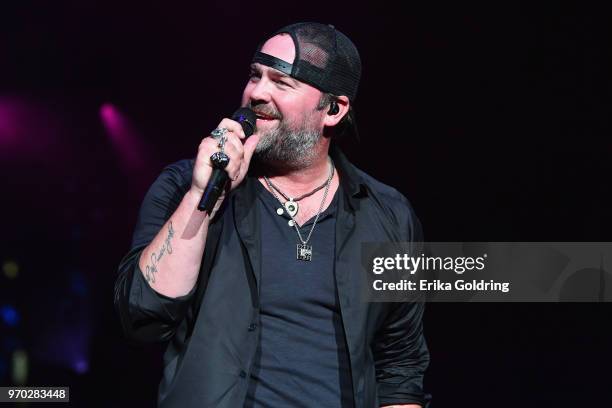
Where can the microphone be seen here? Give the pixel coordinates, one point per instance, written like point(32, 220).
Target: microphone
point(219, 178)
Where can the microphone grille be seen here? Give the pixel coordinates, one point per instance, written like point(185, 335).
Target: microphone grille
point(247, 118)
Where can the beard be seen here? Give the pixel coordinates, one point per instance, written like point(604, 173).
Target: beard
point(289, 146)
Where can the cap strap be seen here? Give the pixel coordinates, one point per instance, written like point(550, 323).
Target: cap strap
point(273, 62)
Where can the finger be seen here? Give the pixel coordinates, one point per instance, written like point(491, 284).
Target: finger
point(203, 166)
point(249, 149)
point(234, 141)
point(232, 126)
point(208, 144)
point(207, 147)
point(235, 153)
point(235, 179)
point(242, 170)
point(233, 172)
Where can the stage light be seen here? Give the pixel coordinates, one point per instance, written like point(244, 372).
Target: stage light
point(19, 372)
point(123, 136)
point(10, 269)
point(10, 116)
point(111, 118)
point(26, 127)
point(9, 315)
point(81, 366)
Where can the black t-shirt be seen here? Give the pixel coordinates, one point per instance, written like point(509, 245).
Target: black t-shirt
point(301, 360)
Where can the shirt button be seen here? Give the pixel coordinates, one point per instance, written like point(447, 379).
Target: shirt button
point(252, 326)
point(242, 374)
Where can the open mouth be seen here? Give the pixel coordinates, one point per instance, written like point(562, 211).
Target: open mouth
point(264, 117)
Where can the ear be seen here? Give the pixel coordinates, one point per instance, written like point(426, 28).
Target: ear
point(343, 108)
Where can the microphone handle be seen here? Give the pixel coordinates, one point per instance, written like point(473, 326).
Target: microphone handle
point(214, 189)
point(219, 178)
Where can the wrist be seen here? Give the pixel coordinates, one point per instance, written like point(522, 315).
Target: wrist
point(196, 191)
point(193, 198)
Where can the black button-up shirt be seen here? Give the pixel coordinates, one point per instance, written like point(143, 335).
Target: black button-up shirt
point(211, 332)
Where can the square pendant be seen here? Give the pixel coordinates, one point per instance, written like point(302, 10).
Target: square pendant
point(304, 252)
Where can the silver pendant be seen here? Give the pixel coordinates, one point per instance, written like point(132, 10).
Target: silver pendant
point(304, 252)
point(291, 207)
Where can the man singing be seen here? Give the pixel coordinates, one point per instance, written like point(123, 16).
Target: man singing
point(260, 301)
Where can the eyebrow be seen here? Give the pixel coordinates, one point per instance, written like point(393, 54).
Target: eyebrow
point(258, 68)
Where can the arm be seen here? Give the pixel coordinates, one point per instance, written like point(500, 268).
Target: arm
point(401, 357)
point(157, 278)
point(147, 315)
point(400, 351)
point(171, 262)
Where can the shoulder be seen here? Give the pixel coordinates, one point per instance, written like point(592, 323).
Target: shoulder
point(381, 190)
point(161, 200)
point(394, 205)
point(171, 185)
point(180, 171)
point(173, 178)
point(387, 196)
point(383, 194)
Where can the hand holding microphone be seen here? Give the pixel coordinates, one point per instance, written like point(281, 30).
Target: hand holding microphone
point(224, 156)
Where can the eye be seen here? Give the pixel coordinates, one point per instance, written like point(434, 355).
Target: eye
point(282, 82)
point(254, 75)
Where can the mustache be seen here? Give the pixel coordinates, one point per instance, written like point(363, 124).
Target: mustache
point(265, 110)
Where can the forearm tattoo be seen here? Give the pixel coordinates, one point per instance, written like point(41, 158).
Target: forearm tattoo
point(151, 269)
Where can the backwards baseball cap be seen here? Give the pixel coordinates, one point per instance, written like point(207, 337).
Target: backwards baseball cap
point(324, 58)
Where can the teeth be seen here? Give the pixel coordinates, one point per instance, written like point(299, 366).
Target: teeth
point(262, 117)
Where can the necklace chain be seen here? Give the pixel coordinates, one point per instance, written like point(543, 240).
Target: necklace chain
point(296, 199)
point(314, 223)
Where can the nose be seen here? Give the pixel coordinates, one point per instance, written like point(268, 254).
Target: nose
point(260, 92)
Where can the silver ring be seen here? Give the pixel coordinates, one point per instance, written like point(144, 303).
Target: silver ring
point(221, 144)
point(218, 132)
point(219, 160)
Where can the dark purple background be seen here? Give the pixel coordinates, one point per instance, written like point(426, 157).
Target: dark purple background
point(494, 120)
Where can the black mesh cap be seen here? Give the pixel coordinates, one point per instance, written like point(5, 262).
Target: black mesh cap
point(324, 58)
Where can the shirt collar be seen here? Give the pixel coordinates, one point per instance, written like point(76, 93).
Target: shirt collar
point(351, 181)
